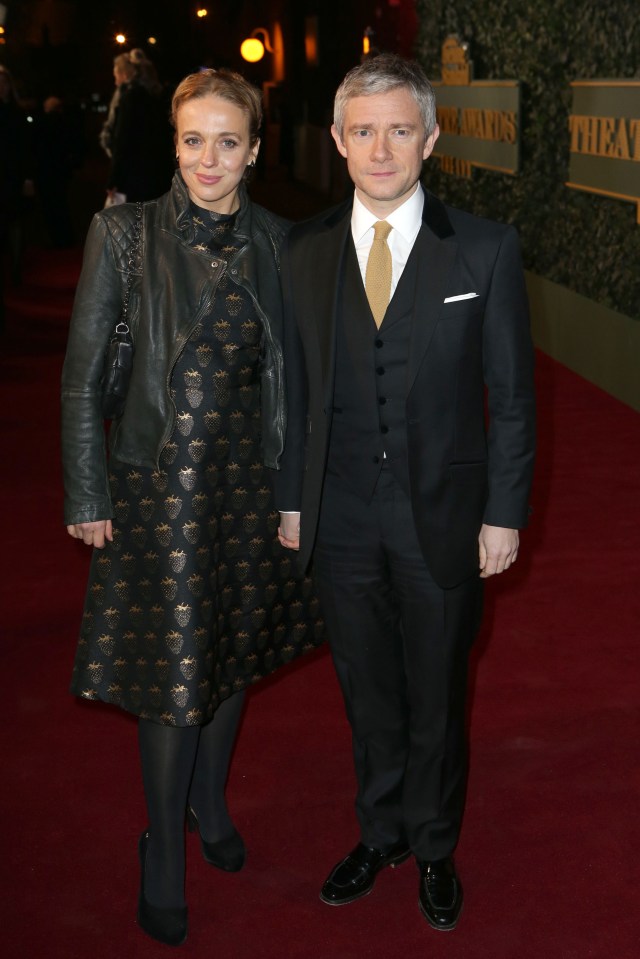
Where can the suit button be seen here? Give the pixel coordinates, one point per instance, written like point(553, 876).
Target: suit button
point(380, 371)
point(382, 400)
point(376, 459)
point(384, 429)
point(379, 343)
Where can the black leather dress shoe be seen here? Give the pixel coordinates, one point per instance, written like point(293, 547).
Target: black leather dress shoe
point(354, 876)
point(440, 894)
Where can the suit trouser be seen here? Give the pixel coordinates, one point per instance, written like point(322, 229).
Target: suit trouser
point(400, 646)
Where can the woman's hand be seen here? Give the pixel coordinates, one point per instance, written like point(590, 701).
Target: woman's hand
point(93, 534)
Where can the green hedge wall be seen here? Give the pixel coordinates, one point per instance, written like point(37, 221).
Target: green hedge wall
point(589, 243)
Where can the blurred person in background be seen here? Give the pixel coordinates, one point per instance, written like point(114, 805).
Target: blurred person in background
point(190, 596)
point(58, 151)
point(15, 181)
point(137, 132)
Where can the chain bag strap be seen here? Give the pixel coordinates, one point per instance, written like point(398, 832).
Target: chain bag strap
point(118, 360)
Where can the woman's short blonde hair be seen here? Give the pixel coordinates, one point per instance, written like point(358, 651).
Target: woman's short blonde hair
point(228, 86)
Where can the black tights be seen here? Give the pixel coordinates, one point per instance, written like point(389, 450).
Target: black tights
point(184, 765)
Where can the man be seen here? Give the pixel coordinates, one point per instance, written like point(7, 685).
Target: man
point(406, 499)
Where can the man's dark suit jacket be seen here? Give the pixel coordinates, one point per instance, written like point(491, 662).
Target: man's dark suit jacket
point(470, 358)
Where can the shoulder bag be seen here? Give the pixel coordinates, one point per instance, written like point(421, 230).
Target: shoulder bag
point(118, 359)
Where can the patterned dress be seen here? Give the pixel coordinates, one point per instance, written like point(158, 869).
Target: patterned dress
point(195, 598)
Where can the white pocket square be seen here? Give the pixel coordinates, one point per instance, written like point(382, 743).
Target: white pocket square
point(462, 296)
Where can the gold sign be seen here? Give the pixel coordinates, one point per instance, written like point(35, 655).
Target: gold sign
point(457, 68)
point(479, 119)
point(604, 128)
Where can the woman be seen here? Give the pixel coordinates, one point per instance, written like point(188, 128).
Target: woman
point(136, 134)
point(190, 597)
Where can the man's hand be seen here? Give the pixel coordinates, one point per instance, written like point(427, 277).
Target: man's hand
point(498, 549)
point(289, 530)
point(93, 534)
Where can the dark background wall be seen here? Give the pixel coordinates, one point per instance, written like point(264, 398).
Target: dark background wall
point(588, 243)
point(574, 242)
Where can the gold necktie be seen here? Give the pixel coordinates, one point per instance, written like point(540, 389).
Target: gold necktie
point(378, 276)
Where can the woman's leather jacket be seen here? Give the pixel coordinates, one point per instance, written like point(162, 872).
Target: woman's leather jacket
point(173, 286)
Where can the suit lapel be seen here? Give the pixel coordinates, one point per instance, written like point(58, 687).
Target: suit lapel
point(436, 249)
point(325, 287)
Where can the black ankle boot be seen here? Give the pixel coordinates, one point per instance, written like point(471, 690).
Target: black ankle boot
point(228, 854)
point(165, 925)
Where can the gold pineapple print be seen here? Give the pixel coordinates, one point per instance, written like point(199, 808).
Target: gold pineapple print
point(197, 450)
point(163, 533)
point(212, 421)
point(249, 331)
point(172, 506)
point(106, 644)
point(160, 478)
point(180, 695)
point(134, 481)
point(221, 386)
point(169, 453)
point(184, 423)
point(139, 535)
point(230, 354)
point(103, 566)
point(182, 613)
point(169, 587)
point(249, 522)
point(162, 668)
point(195, 584)
point(177, 560)
point(174, 641)
point(199, 503)
point(112, 617)
point(256, 546)
point(121, 509)
point(222, 330)
point(96, 672)
point(239, 495)
point(204, 354)
point(245, 447)
point(187, 477)
point(188, 667)
point(191, 531)
point(145, 588)
point(237, 421)
point(122, 589)
point(128, 561)
point(150, 561)
point(263, 495)
point(146, 506)
point(234, 303)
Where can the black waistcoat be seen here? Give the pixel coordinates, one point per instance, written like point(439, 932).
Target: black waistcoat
point(369, 404)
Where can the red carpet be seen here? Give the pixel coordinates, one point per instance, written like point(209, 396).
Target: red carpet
point(550, 849)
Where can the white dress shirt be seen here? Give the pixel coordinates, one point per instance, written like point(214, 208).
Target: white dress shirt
point(406, 221)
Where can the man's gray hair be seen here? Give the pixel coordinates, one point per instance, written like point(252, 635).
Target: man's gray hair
point(383, 73)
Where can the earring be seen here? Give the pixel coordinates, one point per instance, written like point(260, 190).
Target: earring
point(251, 164)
